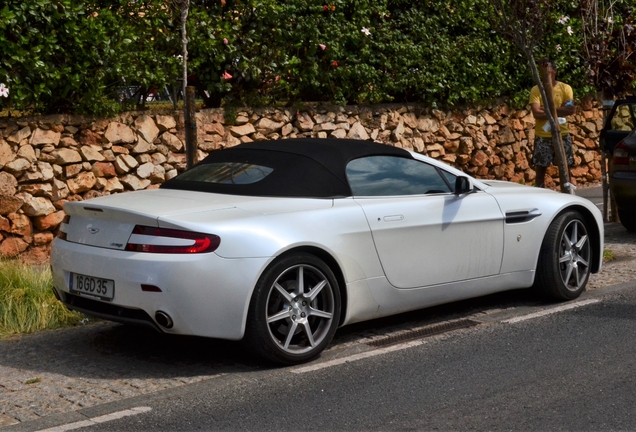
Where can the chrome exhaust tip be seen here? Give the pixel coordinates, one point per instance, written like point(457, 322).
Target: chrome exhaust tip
point(163, 319)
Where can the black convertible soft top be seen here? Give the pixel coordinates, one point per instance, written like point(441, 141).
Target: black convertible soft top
point(310, 167)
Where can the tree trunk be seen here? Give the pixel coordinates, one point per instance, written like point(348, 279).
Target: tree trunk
point(557, 142)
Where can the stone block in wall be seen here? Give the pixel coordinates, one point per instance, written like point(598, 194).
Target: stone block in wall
point(358, 131)
point(6, 153)
point(165, 122)
point(426, 124)
point(172, 142)
point(451, 146)
point(50, 221)
point(506, 136)
point(146, 128)
point(36, 206)
point(170, 174)
point(145, 170)
point(10, 204)
point(20, 135)
point(158, 174)
point(65, 156)
point(20, 224)
point(113, 185)
point(41, 137)
point(27, 152)
point(125, 163)
point(143, 146)
point(5, 225)
point(119, 150)
point(267, 126)
point(17, 167)
point(42, 238)
point(46, 170)
point(103, 169)
point(288, 128)
point(117, 133)
point(12, 246)
point(133, 182)
point(82, 183)
point(90, 153)
point(89, 138)
point(479, 158)
point(239, 131)
point(60, 190)
point(38, 189)
point(71, 171)
point(8, 184)
point(304, 122)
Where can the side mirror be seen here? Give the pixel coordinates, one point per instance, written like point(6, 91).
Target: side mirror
point(462, 185)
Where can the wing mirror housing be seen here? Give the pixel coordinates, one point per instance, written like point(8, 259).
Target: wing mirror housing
point(463, 185)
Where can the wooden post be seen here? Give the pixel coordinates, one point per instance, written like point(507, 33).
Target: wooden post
point(190, 127)
point(557, 142)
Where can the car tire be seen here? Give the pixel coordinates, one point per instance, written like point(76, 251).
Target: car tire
point(627, 220)
point(565, 257)
point(294, 311)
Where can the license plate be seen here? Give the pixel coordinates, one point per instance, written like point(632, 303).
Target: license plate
point(103, 289)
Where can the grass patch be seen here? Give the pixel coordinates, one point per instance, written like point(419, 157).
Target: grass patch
point(608, 255)
point(27, 303)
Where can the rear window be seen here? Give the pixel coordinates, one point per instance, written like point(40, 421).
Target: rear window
point(237, 173)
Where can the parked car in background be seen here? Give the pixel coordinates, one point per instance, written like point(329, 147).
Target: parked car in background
point(281, 242)
point(618, 140)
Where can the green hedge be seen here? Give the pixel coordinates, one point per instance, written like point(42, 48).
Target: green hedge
point(72, 55)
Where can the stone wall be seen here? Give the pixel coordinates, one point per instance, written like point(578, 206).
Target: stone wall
point(49, 160)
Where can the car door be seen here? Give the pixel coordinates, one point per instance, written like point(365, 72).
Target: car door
point(424, 234)
point(619, 124)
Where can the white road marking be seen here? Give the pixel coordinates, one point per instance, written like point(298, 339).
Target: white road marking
point(360, 356)
point(96, 420)
point(551, 311)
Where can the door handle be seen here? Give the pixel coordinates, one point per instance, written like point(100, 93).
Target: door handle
point(393, 218)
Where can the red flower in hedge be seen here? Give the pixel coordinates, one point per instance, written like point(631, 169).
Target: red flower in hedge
point(334, 63)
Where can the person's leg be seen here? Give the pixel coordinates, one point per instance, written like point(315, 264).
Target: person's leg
point(540, 180)
point(541, 159)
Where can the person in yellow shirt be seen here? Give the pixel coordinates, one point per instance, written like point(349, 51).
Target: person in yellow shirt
point(564, 101)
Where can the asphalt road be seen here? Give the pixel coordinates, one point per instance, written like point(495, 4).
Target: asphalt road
point(569, 370)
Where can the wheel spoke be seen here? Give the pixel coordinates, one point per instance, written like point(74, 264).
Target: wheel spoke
point(320, 314)
point(565, 258)
point(311, 296)
point(282, 291)
point(290, 335)
point(580, 275)
point(581, 242)
point(278, 316)
point(310, 335)
point(566, 279)
point(300, 288)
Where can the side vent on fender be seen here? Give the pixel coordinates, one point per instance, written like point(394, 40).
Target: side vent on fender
point(520, 216)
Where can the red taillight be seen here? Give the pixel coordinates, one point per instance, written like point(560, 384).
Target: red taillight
point(61, 234)
point(169, 241)
point(621, 154)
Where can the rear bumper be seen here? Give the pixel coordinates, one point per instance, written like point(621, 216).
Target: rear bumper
point(204, 294)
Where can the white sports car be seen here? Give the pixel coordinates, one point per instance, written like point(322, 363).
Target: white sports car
point(279, 243)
